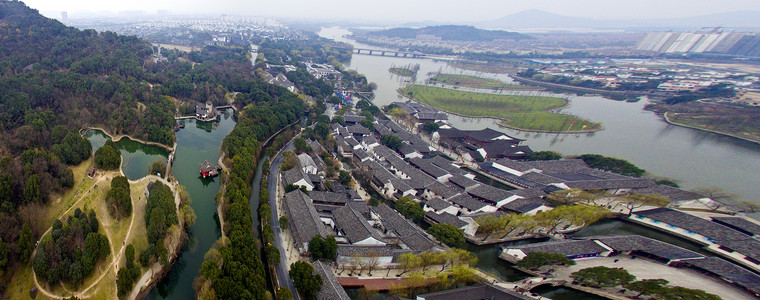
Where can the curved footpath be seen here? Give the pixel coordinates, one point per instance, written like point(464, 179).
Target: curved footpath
point(283, 278)
point(120, 136)
point(116, 257)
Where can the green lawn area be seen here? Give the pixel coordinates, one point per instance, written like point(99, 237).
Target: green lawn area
point(478, 82)
point(520, 112)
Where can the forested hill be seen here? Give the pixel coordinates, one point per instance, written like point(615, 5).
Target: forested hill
point(32, 41)
point(452, 33)
point(55, 80)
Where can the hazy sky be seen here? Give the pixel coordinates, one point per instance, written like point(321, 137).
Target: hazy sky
point(408, 10)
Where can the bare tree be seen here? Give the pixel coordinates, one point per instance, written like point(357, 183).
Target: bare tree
point(373, 259)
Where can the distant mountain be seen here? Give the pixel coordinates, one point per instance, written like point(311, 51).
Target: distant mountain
point(451, 33)
point(540, 19)
point(535, 18)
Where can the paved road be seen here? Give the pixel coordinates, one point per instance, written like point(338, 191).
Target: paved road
point(282, 268)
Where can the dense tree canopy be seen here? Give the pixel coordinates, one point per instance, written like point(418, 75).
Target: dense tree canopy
point(602, 277)
point(410, 209)
point(60, 256)
point(307, 283)
point(118, 198)
point(323, 248)
point(612, 164)
point(447, 234)
point(534, 260)
point(544, 155)
point(391, 141)
point(108, 157)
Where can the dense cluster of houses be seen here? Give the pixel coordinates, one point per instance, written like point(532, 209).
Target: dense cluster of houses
point(448, 193)
point(333, 209)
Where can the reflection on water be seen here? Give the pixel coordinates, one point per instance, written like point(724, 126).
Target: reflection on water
point(195, 143)
point(691, 157)
point(137, 157)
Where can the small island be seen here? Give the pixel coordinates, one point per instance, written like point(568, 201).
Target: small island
point(406, 71)
point(529, 113)
point(460, 80)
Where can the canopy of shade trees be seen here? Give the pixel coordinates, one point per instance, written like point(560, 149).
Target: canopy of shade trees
point(71, 250)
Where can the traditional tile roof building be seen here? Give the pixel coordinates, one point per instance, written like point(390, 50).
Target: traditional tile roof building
point(395, 224)
point(297, 177)
point(331, 288)
point(303, 218)
point(354, 226)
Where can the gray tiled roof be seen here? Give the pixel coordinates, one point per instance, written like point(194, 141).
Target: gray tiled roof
point(558, 166)
point(730, 271)
point(328, 197)
point(478, 291)
point(463, 182)
point(331, 288)
point(303, 217)
point(429, 168)
point(524, 205)
point(739, 222)
point(489, 193)
point(631, 183)
point(722, 235)
point(647, 245)
point(351, 250)
point(446, 218)
point(358, 129)
point(566, 247)
point(528, 193)
point(294, 175)
point(437, 204)
point(442, 190)
point(467, 202)
point(410, 234)
point(354, 225)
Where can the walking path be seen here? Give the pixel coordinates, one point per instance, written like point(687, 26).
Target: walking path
point(116, 257)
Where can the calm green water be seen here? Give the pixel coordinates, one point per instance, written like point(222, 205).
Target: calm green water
point(197, 142)
point(137, 156)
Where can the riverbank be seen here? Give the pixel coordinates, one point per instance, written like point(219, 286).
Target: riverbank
point(116, 138)
point(671, 122)
point(460, 80)
point(527, 113)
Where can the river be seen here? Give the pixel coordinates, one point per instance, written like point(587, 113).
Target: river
point(693, 158)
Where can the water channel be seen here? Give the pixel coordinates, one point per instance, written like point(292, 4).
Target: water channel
point(137, 157)
point(197, 142)
point(693, 158)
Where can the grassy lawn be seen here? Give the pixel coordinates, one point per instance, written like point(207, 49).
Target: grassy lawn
point(520, 112)
point(477, 82)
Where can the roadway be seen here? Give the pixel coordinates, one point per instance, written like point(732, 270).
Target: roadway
point(282, 268)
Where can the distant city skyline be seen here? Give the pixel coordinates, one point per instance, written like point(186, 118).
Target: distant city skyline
point(405, 10)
